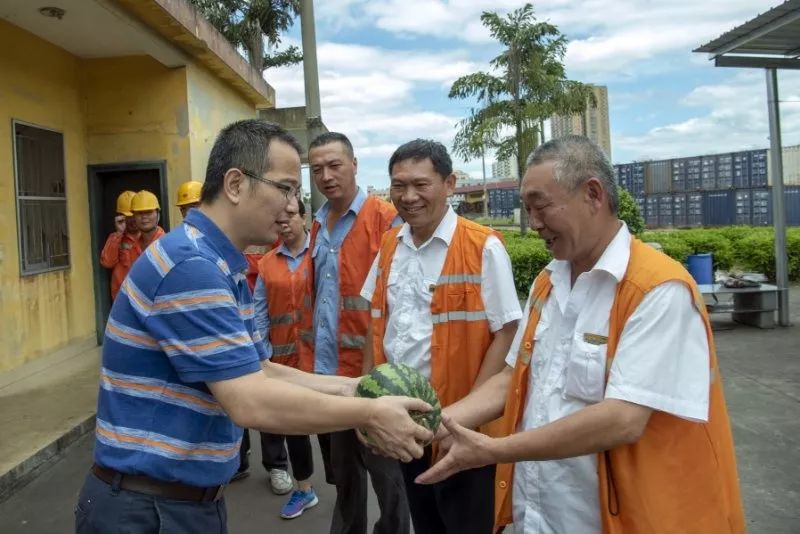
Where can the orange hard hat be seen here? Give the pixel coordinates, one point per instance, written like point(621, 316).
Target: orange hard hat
point(124, 203)
point(189, 193)
point(144, 201)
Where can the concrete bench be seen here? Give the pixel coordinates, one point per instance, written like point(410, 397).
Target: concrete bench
point(754, 306)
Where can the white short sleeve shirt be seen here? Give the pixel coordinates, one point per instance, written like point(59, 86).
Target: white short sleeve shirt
point(415, 270)
point(661, 362)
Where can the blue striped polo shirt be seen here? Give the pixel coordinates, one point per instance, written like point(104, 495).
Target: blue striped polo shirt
point(183, 317)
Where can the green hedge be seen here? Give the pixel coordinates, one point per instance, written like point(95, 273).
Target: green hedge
point(737, 247)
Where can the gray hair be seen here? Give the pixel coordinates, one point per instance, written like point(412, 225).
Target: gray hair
point(576, 160)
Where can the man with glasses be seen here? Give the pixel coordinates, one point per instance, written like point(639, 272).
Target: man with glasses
point(182, 359)
point(345, 236)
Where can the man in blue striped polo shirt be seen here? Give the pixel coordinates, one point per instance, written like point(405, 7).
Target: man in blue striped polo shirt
point(182, 367)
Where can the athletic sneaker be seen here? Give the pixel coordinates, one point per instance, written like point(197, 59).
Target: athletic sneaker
point(299, 502)
point(280, 481)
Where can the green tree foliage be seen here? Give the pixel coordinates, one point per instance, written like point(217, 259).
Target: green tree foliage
point(527, 84)
point(629, 212)
point(249, 23)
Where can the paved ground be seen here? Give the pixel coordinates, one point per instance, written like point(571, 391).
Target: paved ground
point(761, 370)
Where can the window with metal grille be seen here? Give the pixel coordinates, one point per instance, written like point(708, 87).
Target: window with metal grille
point(41, 199)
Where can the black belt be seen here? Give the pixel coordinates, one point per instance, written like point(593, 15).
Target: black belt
point(158, 488)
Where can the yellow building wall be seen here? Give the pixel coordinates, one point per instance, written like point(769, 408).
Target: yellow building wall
point(212, 106)
point(136, 110)
point(43, 312)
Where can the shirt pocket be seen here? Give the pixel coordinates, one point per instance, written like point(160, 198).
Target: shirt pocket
point(586, 371)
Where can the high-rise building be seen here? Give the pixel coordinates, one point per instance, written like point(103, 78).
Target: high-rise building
point(593, 123)
point(505, 169)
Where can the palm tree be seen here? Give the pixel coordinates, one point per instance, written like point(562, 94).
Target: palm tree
point(527, 84)
point(247, 23)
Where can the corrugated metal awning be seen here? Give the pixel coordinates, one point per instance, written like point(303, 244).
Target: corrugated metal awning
point(770, 40)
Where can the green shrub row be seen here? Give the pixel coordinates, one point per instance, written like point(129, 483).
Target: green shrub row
point(740, 248)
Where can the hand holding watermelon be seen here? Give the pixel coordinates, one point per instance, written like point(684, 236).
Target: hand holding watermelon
point(399, 380)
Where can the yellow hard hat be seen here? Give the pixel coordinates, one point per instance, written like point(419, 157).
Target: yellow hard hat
point(124, 203)
point(189, 193)
point(144, 201)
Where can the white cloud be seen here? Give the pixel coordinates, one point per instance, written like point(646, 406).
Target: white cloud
point(734, 118)
point(609, 38)
point(369, 94)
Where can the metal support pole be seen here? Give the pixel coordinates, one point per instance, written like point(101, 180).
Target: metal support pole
point(778, 208)
point(314, 124)
point(485, 191)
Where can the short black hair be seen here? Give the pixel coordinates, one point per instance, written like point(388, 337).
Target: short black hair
point(420, 149)
point(332, 137)
point(301, 208)
point(243, 145)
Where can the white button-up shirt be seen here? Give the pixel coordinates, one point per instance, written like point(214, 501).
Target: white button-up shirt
point(661, 362)
point(414, 271)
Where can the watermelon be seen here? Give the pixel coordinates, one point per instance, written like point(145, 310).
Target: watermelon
point(402, 380)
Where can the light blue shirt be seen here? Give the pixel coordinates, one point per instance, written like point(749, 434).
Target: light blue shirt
point(326, 282)
point(260, 291)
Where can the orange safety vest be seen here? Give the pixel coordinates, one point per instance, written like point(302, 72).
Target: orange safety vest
point(118, 254)
point(681, 475)
point(285, 292)
point(461, 334)
point(355, 259)
point(159, 233)
point(253, 258)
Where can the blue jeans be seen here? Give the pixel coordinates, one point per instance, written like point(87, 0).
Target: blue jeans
point(103, 509)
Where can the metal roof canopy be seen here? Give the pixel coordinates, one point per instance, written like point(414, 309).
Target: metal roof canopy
point(771, 41)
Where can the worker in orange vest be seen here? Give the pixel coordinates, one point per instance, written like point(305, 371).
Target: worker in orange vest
point(345, 237)
point(188, 196)
point(278, 299)
point(146, 211)
point(119, 252)
point(444, 303)
point(613, 400)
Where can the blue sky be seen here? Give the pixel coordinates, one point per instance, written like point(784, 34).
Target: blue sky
point(386, 67)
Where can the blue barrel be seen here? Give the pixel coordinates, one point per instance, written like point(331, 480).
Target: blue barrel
point(701, 267)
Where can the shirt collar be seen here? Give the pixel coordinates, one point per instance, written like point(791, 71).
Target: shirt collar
point(355, 207)
point(614, 259)
point(217, 238)
point(283, 249)
point(443, 232)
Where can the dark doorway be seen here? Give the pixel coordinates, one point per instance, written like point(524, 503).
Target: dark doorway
point(106, 182)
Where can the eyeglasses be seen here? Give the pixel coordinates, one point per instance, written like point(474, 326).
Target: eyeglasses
point(289, 191)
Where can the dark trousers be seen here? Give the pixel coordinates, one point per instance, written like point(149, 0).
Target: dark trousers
point(105, 509)
point(299, 448)
point(274, 454)
point(350, 462)
point(462, 504)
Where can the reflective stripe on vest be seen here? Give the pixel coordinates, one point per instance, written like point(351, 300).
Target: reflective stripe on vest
point(284, 350)
point(459, 279)
point(283, 319)
point(350, 341)
point(458, 316)
point(377, 313)
point(355, 303)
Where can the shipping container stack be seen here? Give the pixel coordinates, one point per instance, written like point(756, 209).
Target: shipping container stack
point(713, 190)
point(502, 202)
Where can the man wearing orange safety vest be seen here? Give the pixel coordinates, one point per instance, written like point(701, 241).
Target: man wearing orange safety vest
point(188, 196)
point(345, 237)
point(120, 250)
point(278, 298)
point(613, 397)
point(146, 211)
point(444, 303)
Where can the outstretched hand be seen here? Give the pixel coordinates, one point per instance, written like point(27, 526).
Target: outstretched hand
point(393, 432)
point(467, 450)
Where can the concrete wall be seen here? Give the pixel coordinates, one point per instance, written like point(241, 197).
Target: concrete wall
point(40, 84)
point(212, 106)
point(137, 110)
